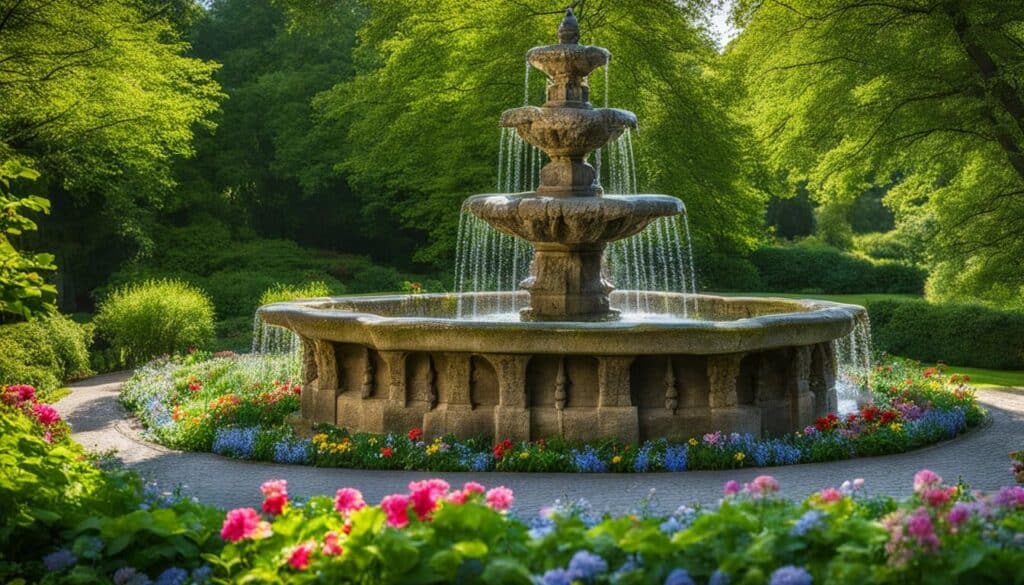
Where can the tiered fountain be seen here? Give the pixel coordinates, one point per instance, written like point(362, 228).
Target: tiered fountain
point(571, 364)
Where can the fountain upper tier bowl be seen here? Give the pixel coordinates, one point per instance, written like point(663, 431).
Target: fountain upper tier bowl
point(572, 220)
point(568, 132)
point(385, 363)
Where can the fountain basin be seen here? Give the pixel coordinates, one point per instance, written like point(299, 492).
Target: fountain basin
point(568, 132)
point(391, 363)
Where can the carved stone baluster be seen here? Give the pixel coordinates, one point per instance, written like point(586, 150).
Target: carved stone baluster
point(560, 385)
point(431, 383)
point(367, 389)
point(671, 392)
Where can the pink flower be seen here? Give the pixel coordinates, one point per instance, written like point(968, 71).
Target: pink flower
point(19, 393)
point(299, 557)
point(830, 495)
point(858, 483)
point(48, 437)
point(714, 438)
point(396, 506)
point(732, 487)
point(925, 479)
point(275, 496)
point(458, 497)
point(936, 497)
point(472, 487)
point(499, 498)
point(920, 527)
point(45, 414)
point(241, 523)
point(1010, 497)
point(425, 495)
point(331, 545)
point(763, 485)
point(960, 513)
point(348, 500)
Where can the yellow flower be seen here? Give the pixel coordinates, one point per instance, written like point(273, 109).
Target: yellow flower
point(896, 427)
point(693, 442)
point(617, 459)
point(372, 441)
point(432, 449)
point(524, 455)
point(740, 456)
point(319, 438)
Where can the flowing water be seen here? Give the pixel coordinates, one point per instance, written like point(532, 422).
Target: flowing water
point(270, 339)
point(853, 364)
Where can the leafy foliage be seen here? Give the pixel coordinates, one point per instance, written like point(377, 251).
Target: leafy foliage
point(822, 269)
point(45, 352)
point(155, 317)
point(844, 94)
point(23, 290)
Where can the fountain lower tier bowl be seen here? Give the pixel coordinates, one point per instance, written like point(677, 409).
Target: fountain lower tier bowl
point(568, 132)
point(390, 363)
point(572, 221)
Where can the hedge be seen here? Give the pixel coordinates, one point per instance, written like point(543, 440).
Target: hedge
point(829, 271)
point(964, 335)
point(45, 352)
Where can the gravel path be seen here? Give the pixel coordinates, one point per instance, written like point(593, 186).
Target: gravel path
point(99, 423)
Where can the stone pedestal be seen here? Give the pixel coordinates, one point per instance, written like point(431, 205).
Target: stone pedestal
point(566, 284)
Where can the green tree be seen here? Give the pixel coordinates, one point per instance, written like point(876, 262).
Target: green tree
point(24, 291)
point(101, 97)
point(844, 91)
point(433, 76)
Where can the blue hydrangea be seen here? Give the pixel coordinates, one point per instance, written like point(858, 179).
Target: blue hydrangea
point(671, 526)
point(719, 577)
point(791, 575)
point(235, 441)
point(130, 576)
point(540, 526)
point(172, 576)
point(812, 519)
point(588, 461)
point(586, 566)
point(59, 560)
point(676, 457)
point(556, 577)
point(89, 548)
point(292, 450)
point(679, 577)
point(201, 575)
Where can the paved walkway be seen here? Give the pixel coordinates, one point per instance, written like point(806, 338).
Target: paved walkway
point(99, 422)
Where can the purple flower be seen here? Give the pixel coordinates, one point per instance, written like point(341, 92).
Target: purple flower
point(1010, 497)
point(59, 560)
point(556, 577)
point(679, 577)
point(960, 513)
point(586, 566)
point(172, 576)
point(790, 575)
point(719, 577)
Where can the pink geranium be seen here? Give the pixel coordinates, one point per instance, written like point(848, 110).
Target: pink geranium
point(45, 414)
point(830, 495)
point(299, 557)
point(332, 547)
point(732, 487)
point(937, 497)
point(396, 507)
point(348, 500)
point(242, 523)
point(921, 528)
point(275, 496)
point(925, 478)
point(425, 495)
point(18, 394)
point(499, 498)
point(472, 487)
point(763, 485)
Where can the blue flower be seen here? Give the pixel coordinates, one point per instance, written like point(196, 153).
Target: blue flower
point(292, 450)
point(790, 575)
point(679, 577)
point(671, 526)
point(809, 521)
point(59, 560)
point(541, 526)
point(235, 441)
point(642, 462)
point(588, 461)
point(130, 576)
point(719, 577)
point(556, 577)
point(172, 576)
point(676, 457)
point(201, 575)
point(586, 565)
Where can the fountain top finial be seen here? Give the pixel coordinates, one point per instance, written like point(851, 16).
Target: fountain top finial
point(569, 30)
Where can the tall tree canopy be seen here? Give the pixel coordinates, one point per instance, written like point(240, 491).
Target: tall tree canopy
point(101, 97)
point(433, 76)
point(845, 94)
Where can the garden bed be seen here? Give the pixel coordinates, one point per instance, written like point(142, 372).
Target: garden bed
point(239, 406)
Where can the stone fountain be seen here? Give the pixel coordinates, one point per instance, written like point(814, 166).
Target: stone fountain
point(570, 365)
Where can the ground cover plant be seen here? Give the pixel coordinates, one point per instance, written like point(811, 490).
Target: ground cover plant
point(240, 406)
point(68, 518)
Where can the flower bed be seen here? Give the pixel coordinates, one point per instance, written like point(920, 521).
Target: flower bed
point(64, 518)
point(229, 406)
point(1018, 466)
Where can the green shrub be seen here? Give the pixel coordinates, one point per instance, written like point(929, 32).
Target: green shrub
point(965, 335)
point(155, 317)
point(829, 271)
point(283, 292)
point(45, 353)
point(721, 273)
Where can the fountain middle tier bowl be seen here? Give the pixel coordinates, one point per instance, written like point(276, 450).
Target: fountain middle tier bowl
point(571, 132)
point(572, 221)
point(390, 363)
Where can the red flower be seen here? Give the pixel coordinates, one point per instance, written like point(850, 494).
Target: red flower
point(889, 416)
point(415, 434)
point(386, 452)
point(502, 448)
point(826, 423)
point(869, 413)
point(195, 386)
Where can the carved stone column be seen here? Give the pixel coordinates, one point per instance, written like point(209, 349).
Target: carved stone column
point(798, 386)
point(389, 407)
point(726, 412)
point(512, 414)
point(454, 411)
point(323, 402)
point(617, 415)
point(309, 376)
point(822, 379)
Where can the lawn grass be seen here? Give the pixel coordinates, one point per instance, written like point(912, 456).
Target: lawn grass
point(853, 299)
point(990, 378)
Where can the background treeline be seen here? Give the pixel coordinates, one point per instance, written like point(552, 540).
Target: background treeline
point(833, 146)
